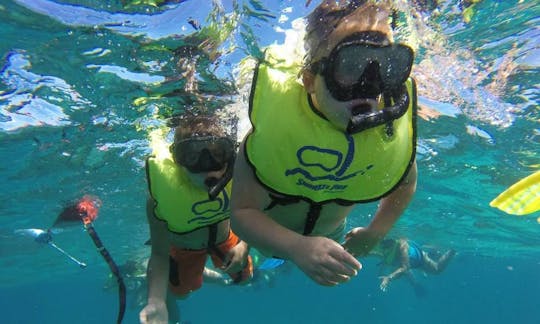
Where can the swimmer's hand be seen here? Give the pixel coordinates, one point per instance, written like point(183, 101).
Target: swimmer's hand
point(154, 313)
point(360, 240)
point(236, 258)
point(324, 260)
point(385, 281)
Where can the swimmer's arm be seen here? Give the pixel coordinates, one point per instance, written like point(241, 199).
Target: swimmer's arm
point(397, 273)
point(392, 206)
point(249, 221)
point(322, 259)
point(158, 265)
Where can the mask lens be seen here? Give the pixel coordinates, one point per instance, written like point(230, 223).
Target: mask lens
point(187, 152)
point(360, 66)
point(203, 154)
point(350, 63)
point(396, 65)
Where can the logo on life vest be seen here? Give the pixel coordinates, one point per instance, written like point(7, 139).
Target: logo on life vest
point(207, 211)
point(323, 169)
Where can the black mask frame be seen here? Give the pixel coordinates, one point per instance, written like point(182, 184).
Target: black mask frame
point(203, 154)
point(380, 67)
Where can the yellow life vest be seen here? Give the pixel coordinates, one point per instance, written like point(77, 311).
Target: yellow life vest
point(296, 152)
point(183, 206)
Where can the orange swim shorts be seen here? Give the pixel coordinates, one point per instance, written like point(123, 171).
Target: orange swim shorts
point(186, 266)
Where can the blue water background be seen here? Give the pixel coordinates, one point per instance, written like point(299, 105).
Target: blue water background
point(69, 126)
point(472, 289)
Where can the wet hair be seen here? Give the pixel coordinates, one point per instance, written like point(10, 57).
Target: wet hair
point(328, 15)
point(198, 125)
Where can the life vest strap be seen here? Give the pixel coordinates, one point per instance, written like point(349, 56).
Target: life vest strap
point(312, 216)
point(281, 200)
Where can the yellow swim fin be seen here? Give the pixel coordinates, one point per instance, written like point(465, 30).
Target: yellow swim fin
point(521, 198)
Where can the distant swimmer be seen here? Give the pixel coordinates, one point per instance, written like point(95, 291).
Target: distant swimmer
point(406, 255)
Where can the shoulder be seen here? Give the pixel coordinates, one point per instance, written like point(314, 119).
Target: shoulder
point(403, 243)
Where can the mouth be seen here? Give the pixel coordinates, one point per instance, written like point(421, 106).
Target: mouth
point(211, 181)
point(363, 106)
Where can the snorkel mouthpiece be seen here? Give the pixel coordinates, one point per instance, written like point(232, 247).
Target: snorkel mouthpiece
point(362, 121)
point(211, 182)
point(365, 107)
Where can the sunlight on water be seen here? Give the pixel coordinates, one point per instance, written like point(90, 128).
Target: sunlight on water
point(34, 100)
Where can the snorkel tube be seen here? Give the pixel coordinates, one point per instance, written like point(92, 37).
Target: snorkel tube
point(363, 121)
point(216, 188)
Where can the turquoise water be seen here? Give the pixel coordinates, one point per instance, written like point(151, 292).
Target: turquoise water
point(71, 124)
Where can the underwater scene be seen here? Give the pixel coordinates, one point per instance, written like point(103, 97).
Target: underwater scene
point(89, 89)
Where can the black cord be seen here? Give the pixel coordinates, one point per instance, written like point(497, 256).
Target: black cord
point(114, 269)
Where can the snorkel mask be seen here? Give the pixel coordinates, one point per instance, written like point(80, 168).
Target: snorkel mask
point(364, 66)
point(206, 154)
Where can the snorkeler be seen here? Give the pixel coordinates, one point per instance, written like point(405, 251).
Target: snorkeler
point(188, 215)
point(342, 135)
point(406, 255)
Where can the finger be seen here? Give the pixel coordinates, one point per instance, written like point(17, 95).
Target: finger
point(342, 278)
point(334, 277)
point(346, 248)
point(333, 281)
point(350, 265)
point(341, 269)
point(227, 260)
point(226, 267)
point(231, 267)
point(142, 317)
point(322, 277)
point(352, 232)
point(346, 258)
point(321, 280)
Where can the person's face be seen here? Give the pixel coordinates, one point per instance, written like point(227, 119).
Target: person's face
point(338, 112)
